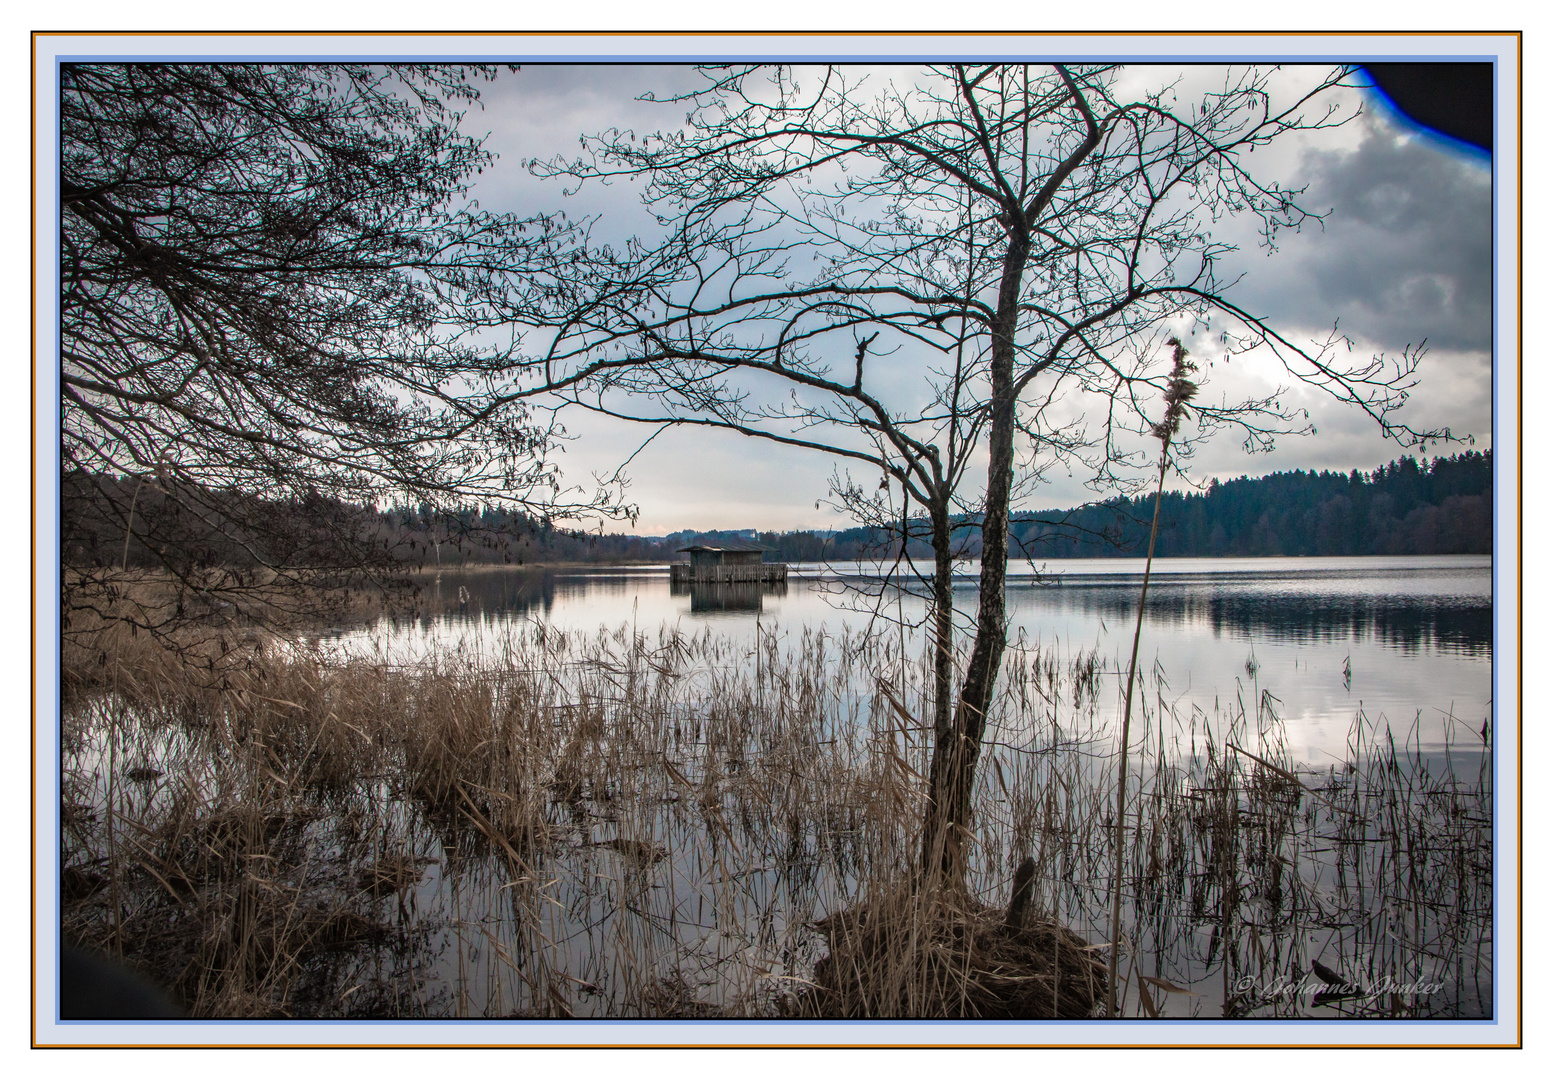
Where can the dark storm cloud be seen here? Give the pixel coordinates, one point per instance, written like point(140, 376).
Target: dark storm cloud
point(1405, 253)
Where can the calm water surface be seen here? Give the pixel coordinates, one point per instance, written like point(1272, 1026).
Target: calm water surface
point(1406, 639)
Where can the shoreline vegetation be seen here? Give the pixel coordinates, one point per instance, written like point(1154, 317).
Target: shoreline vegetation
point(634, 824)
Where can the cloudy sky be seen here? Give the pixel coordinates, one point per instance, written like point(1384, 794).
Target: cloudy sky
point(1402, 257)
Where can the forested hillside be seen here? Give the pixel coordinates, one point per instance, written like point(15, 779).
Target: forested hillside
point(1443, 507)
point(1404, 508)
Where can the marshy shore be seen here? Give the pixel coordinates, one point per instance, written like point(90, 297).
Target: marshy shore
point(633, 824)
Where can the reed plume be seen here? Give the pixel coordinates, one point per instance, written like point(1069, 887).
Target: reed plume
point(1179, 390)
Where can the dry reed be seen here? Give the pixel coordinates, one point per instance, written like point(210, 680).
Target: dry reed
point(641, 825)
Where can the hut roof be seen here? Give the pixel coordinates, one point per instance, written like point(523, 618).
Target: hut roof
point(723, 547)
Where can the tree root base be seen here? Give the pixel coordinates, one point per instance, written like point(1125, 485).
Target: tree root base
point(939, 955)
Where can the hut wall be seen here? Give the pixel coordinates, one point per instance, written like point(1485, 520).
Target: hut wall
point(727, 573)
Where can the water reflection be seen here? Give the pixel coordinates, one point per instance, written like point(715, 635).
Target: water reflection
point(1443, 604)
point(708, 597)
point(517, 592)
point(1404, 639)
point(1448, 622)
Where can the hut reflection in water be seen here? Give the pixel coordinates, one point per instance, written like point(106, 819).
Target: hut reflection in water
point(726, 596)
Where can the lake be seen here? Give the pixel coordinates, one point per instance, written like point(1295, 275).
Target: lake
point(1407, 640)
point(586, 792)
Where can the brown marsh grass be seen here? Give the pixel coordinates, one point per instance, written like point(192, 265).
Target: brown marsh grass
point(671, 825)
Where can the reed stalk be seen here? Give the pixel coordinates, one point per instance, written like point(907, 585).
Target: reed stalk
point(1178, 392)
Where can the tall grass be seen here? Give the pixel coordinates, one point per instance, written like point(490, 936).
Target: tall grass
point(631, 824)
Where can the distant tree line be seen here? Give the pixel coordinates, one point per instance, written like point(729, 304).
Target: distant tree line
point(1443, 507)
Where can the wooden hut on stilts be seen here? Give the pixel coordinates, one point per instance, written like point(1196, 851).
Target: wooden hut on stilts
point(726, 564)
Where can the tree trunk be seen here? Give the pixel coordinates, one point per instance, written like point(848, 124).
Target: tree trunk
point(943, 623)
point(943, 672)
point(952, 774)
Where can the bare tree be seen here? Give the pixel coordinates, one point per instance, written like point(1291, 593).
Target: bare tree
point(274, 292)
point(962, 271)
